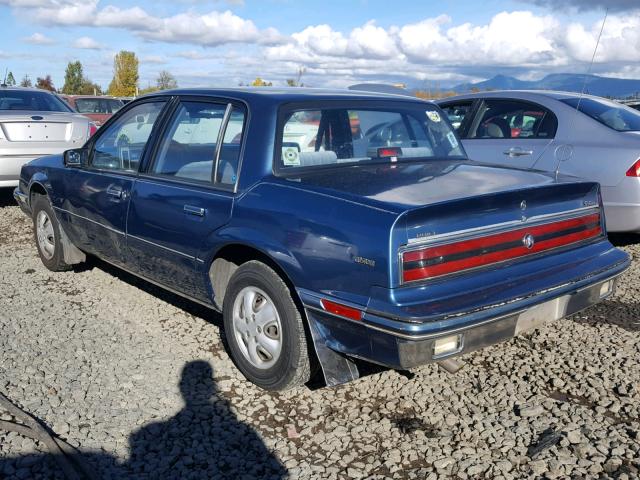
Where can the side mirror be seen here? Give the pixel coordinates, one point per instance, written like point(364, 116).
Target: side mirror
point(74, 158)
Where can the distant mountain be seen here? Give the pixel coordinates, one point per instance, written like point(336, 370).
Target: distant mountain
point(596, 85)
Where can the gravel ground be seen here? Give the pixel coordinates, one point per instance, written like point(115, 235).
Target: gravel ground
point(139, 380)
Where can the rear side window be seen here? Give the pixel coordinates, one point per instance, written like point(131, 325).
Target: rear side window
point(335, 136)
point(189, 149)
point(513, 119)
point(613, 115)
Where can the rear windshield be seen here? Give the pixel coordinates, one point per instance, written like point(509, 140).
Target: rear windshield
point(98, 105)
point(611, 114)
point(31, 100)
point(333, 136)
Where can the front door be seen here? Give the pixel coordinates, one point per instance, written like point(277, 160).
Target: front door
point(96, 197)
point(185, 194)
point(513, 133)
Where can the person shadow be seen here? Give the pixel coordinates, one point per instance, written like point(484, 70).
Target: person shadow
point(204, 440)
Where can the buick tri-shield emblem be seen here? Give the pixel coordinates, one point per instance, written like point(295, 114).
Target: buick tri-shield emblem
point(528, 241)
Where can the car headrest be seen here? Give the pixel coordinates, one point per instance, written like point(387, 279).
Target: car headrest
point(308, 159)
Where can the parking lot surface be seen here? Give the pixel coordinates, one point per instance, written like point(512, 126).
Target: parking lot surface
point(138, 379)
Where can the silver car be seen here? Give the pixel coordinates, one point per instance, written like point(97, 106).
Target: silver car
point(544, 131)
point(34, 123)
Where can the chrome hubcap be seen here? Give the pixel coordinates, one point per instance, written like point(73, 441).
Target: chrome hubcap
point(257, 327)
point(45, 234)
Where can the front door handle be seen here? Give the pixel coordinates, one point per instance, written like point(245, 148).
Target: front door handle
point(116, 192)
point(517, 152)
point(197, 211)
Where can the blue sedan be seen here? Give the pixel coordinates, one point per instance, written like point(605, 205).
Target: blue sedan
point(326, 226)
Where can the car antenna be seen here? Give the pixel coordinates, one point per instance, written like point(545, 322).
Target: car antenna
point(584, 85)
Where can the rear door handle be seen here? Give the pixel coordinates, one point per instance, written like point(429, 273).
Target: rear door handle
point(197, 211)
point(116, 192)
point(517, 152)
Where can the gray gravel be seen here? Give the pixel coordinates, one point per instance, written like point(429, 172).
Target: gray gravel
point(139, 380)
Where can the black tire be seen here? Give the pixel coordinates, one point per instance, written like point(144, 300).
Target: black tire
point(54, 261)
point(292, 367)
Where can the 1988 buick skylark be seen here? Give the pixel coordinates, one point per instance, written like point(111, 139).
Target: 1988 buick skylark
point(324, 226)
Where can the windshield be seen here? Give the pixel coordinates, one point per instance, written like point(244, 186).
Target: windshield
point(98, 105)
point(320, 137)
point(32, 100)
point(611, 114)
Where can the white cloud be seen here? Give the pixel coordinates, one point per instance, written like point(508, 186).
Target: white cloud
point(39, 39)
point(87, 43)
point(156, 59)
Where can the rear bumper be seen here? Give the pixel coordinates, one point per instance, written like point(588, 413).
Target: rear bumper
point(403, 344)
point(10, 166)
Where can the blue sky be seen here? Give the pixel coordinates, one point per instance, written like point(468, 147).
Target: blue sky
point(336, 43)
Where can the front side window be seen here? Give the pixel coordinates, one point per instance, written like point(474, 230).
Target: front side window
point(457, 112)
point(613, 115)
point(329, 136)
point(509, 119)
point(189, 149)
point(121, 144)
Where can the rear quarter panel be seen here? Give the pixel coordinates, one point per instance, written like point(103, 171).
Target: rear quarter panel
point(325, 244)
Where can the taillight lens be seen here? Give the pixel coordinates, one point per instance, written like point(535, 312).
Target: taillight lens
point(341, 310)
point(387, 152)
point(430, 262)
point(93, 128)
point(634, 170)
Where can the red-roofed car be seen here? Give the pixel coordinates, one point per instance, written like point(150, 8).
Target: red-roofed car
point(98, 109)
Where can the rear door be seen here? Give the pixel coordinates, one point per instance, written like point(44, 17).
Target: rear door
point(96, 198)
point(186, 193)
point(509, 132)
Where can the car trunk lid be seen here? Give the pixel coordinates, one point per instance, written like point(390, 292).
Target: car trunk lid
point(37, 127)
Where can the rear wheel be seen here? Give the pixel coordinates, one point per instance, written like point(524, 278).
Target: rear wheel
point(47, 235)
point(264, 328)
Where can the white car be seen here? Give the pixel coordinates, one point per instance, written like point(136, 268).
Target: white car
point(35, 123)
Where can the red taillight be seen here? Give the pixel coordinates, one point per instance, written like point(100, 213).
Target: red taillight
point(634, 171)
point(384, 152)
point(92, 129)
point(430, 262)
point(341, 310)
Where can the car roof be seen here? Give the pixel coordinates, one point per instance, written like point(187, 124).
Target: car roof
point(108, 97)
point(23, 89)
point(285, 95)
point(520, 94)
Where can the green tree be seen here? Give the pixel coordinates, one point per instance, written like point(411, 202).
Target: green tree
point(258, 82)
point(11, 81)
point(166, 81)
point(73, 78)
point(89, 88)
point(125, 75)
point(45, 83)
point(26, 81)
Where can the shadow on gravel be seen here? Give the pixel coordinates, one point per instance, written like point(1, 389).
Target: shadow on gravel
point(204, 440)
point(6, 197)
point(624, 239)
point(612, 312)
point(192, 308)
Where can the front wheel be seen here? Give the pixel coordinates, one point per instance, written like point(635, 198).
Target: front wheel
point(264, 328)
point(47, 235)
